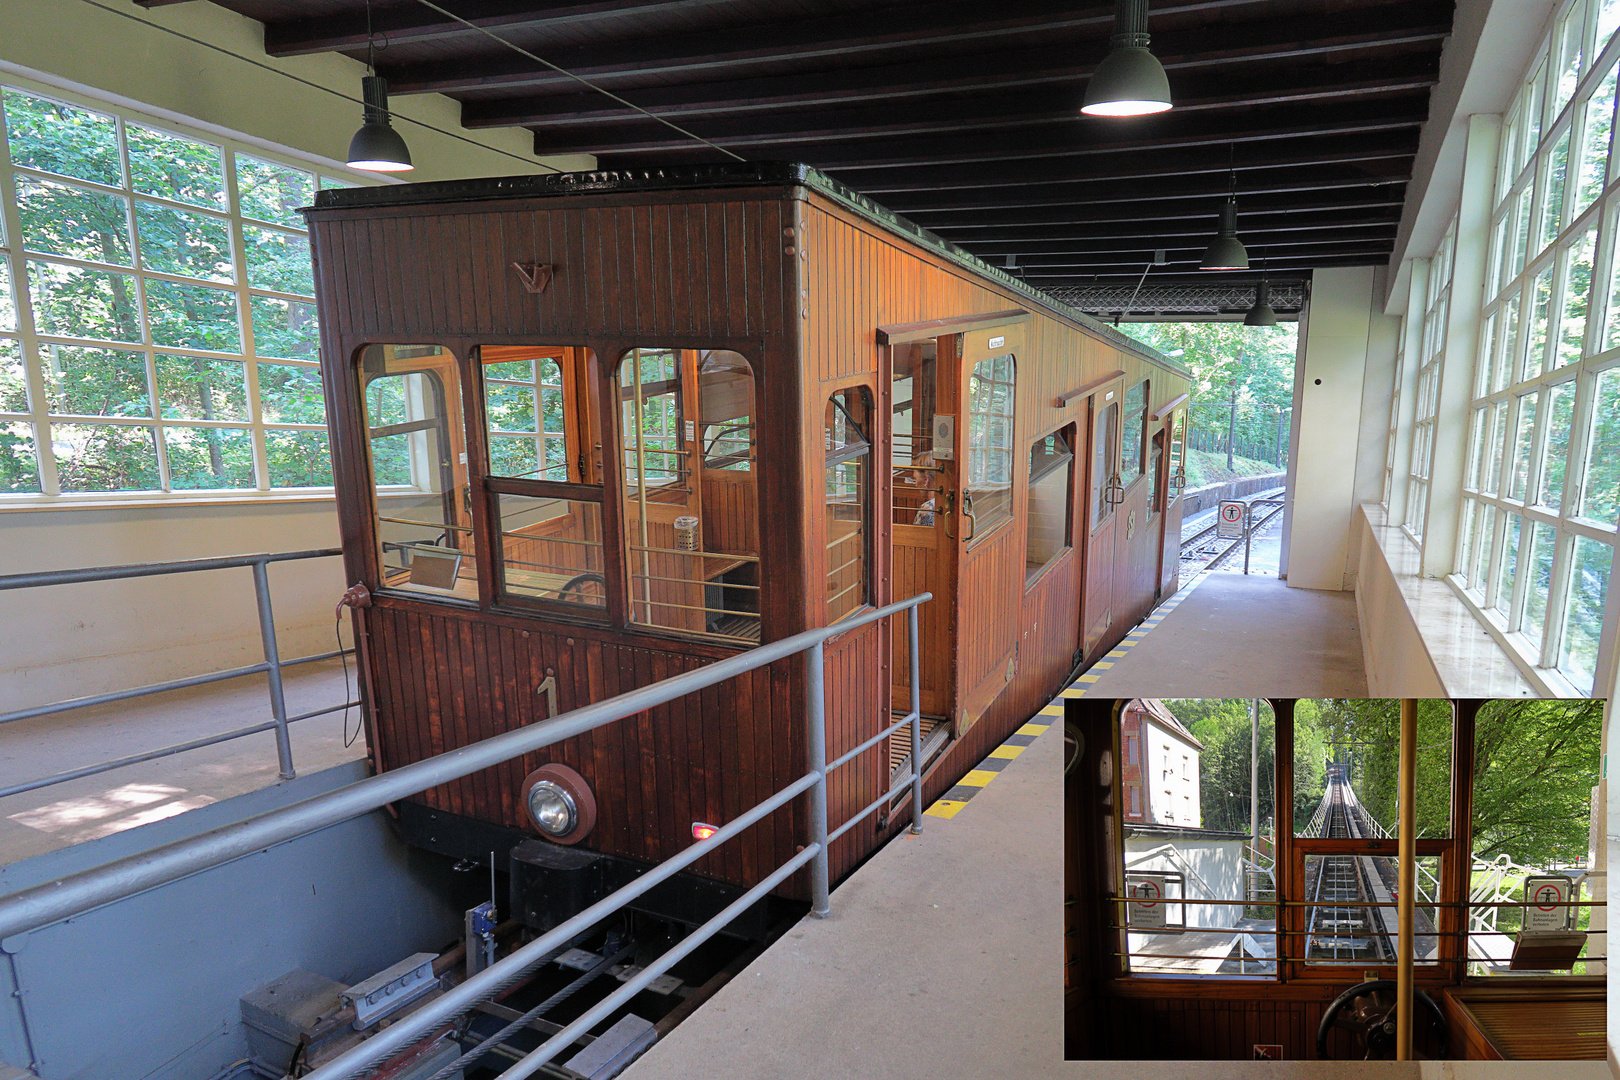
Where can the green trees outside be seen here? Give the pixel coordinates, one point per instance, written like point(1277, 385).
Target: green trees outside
point(166, 217)
point(1223, 727)
point(1231, 363)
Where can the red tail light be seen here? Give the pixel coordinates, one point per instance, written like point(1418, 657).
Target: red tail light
point(700, 831)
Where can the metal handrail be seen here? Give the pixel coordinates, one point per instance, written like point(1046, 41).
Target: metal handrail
point(32, 908)
point(271, 666)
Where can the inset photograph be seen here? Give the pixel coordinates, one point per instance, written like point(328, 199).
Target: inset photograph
point(1340, 879)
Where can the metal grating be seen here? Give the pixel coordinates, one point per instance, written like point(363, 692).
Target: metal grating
point(1214, 299)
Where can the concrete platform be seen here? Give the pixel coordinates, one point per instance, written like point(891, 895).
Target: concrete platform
point(34, 822)
point(942, 958)
point(1236, 636)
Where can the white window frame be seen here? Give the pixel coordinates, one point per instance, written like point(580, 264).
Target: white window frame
point(14, 260)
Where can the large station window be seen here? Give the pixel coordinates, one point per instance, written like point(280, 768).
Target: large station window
point(418, 463)
point(987, 482)
point(544, 492)
point(1051, 480)
point(686, 429)
point(848, 440)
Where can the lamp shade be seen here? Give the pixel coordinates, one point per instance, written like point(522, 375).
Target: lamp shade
point(1129, 82)
point(1261, 313)
point(1226, 251)
point(377, 147)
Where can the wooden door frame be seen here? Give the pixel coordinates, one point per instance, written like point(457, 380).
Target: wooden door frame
point(1106, 392)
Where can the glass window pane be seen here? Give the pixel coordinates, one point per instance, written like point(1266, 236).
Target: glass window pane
point(272, 192)
point(172, 167)
point(1608, 17)
point(1479, 571)
point(846, 424)
point(1051, 475)
point(102, 457)
point(63, 139)
point(1507, 357)
point(182, 242)
point(1588, 590)
point(1521, 217)
point(1569, 54)
point(199, 388)
point(1506, 573)
point(523, 392)
point(13, 377)
point(987, 477)
point(1577, 292)
point(1552, 207)
point(298, 459)
point(1357, 743)
point(71, 301)
point(551, 549)
point(1465, 539)
point(1555, 457)
point(284, 328)
point(8, 304)
point(192, 316)
point(1595, 156)
point(1524, 433)
point(291, 394)
point(1541, 298)
point(81, 381)
point(210, 457)
point(278, 260)
point(1536, 765)
point(328, 182)
point(61, 219)
point(1362, 930)
point(1600, 489)
point(1543, 544)
point(19, 463)
point(1478, 423)
point(511, 407)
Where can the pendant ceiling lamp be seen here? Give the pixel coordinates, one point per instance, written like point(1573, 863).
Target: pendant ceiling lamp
point(1261, 314)
point(376, 147)
point(1130, 81)
point(1226, 251)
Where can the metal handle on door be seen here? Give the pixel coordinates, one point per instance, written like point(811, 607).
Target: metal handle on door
point(950, 509)
point(1115, 492)
point(972, 519)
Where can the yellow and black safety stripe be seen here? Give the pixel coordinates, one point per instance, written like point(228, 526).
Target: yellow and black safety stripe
point(998, 759)
point(1130, 641)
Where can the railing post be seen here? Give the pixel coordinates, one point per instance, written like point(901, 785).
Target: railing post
point(916, 720)
point(816, 711)
point(272, 659)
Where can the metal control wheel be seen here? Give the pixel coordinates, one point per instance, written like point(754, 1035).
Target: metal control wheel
point(1368, 1010)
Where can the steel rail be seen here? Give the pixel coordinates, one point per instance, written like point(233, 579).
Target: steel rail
point(41, 905)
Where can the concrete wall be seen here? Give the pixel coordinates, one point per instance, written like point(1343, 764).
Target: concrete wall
point(147, 988)
point(1342, 331)
point(87, 639)
point(1218, 863)
point(1397, 660)
point(1208, 496)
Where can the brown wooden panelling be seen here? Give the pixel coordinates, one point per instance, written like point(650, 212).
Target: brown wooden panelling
point(458, 678)
point(800, 285)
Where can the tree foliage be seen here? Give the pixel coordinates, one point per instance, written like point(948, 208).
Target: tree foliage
point(167, 218)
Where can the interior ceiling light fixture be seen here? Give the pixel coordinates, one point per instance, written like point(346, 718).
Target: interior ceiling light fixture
point(1261, 313)
point(376, 147)
point(1130, 81)
point(1226, 251)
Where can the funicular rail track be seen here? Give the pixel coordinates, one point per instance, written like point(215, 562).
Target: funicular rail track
point(1341, 929)
point(1202, 550)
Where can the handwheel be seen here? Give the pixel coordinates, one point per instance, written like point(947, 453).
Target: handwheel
point(1369, 1010)
point(577, 583)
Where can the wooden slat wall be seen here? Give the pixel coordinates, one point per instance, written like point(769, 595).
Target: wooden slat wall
point(916, 562)
point(858, 277)
point(730, 522)
point(681, 268)
point(706, 757)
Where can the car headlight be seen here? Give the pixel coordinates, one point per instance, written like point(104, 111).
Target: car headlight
point(552, 808)
point(559, 803)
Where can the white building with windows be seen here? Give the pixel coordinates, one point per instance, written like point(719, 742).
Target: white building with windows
point(1161, 766)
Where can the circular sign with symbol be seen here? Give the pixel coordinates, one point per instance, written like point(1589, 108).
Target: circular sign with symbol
point(1147, 894)
point(1232, 512)
point(1549, 893)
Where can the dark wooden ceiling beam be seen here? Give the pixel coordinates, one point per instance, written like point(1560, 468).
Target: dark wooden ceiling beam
point(1190, 234)
point(1250, 191)
point(1081, 141)
point(842, 41)
point(1111, 264)
point(1359, 200)
point(1183, 253)
point(1132, 209)
point(1289, 270)
point(410, 22)
point(1010, 88)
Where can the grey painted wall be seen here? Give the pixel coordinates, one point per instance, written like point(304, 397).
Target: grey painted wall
point(148, 987)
